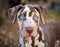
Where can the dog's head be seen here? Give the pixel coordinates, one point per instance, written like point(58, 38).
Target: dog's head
point(28, 16)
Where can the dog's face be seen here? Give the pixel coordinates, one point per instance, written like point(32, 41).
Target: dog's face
point(28, 17)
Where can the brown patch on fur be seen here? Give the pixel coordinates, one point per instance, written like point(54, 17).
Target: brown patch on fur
point(12, 12)
point(51, 33)
point(42, 12)
point(33, 41)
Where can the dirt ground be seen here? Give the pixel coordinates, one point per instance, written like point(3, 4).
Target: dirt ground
point(9, 34)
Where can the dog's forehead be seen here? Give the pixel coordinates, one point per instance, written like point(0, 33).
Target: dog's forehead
point(27, 9)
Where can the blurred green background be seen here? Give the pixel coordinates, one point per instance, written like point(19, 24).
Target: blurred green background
point(9, 33)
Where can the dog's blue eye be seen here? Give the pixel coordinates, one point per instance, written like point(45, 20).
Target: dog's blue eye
point(35, 17)
point(21, 17)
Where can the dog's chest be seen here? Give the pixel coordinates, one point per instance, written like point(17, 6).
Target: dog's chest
point(34, 42)
point(39, 43)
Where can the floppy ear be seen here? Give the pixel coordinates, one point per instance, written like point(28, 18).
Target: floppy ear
point(43, 13)
point(12, 13)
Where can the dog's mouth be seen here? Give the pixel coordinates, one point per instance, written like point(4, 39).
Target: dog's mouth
point(29, 30)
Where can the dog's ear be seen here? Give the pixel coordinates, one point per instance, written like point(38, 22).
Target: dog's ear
point(12, 13)
point(43, 12)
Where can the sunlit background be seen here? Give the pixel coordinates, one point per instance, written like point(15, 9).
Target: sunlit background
point(9, 33)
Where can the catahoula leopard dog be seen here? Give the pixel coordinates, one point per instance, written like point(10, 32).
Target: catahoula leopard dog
point(29, 18)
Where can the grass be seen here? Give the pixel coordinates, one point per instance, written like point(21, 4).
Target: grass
point(55, 12)
point(1, 20)
point(54, 15)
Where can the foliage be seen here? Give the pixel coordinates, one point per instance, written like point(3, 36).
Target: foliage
point(53, 15)
point(55, 12)
point(1, 20)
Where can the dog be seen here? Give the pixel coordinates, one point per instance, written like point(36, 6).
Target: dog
point(31, 33)
point(51, 34)
point(29, 18)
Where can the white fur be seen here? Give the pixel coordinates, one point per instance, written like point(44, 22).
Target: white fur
point(40, 44)
point(29, 22)
point(28, 43)
point(27, 9)
point(21, 41)
point(42, 33)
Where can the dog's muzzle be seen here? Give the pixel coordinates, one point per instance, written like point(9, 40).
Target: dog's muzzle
point(29, 25)
point(29, 30)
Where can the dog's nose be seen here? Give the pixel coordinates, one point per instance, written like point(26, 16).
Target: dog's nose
point(29, 30)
